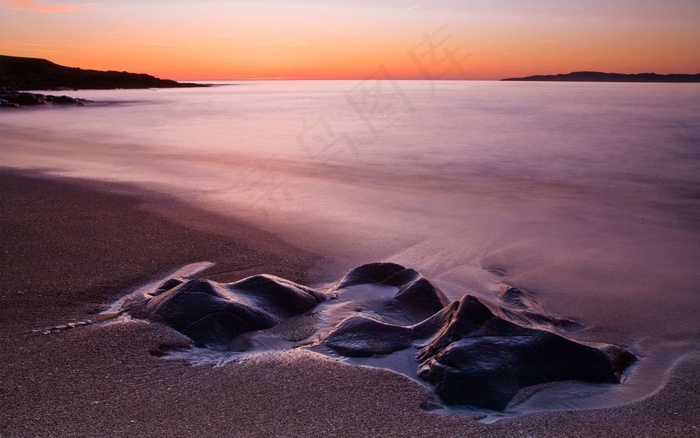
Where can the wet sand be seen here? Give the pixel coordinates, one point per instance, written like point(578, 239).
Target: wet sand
point(71, 248)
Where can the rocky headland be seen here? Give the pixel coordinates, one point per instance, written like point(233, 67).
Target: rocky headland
point(594, 76)
point(19, 74)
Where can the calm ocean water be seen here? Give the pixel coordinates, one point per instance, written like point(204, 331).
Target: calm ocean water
point(586, 193)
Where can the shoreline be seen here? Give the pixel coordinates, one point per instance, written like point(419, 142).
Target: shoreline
point(72, 249)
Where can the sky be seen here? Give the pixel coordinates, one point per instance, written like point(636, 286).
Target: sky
point(315, 39)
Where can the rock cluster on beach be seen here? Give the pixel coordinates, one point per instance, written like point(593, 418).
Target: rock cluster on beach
point(16, 99)
point(475, 352)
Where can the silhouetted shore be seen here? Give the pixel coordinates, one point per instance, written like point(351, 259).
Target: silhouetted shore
point(18, 73)
point(592, 76)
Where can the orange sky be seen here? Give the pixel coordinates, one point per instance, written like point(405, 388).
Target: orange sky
point(471, 39)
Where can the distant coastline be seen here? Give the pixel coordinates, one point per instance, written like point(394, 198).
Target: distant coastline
point(594, 76)
point(20, 74)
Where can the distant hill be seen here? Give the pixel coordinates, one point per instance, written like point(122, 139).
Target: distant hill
point(594, 76)
point(18, 73)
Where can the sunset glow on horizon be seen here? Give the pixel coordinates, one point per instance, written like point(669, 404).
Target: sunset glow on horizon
point(311, 39)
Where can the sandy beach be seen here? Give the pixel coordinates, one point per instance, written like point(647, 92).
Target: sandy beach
point(72, 247)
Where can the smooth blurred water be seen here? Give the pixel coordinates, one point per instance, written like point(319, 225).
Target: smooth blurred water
point(587, 194)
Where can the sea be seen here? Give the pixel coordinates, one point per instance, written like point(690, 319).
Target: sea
point(585, 194)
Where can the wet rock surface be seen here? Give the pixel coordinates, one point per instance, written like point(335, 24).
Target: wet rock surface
point(214, 314)
point(495, 358)
point(474, 352)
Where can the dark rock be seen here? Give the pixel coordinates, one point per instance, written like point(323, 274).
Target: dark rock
point(19, 99)
point(358, 336)
point(7, 104)
point(473, 351)
point(214, 314)
point(487, 361)
point(167, 285)
point(63, 100)
point(417, 301)
point(468, 316)
point(24, 99)
point(425, 332)
point(370, 273)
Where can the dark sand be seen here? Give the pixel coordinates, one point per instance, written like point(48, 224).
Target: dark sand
point(68, 250)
